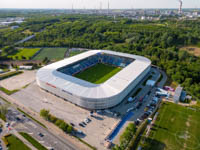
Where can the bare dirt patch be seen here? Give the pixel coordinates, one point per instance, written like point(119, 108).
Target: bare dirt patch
point(188, 124)
point(192, 50)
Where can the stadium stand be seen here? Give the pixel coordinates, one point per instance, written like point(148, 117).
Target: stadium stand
point(93, 60)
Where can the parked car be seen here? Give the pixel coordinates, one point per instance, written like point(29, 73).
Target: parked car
point(82, 125)
point(40, 134)
point(87, 120)
point(72, 124)
point(7, 124)
point(79, 132)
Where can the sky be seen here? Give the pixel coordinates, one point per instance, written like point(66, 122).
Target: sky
point(88, 4)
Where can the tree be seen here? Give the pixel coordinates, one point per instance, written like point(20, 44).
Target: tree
point(3, 111)
point(69, 129)
point(52, 119)
point(58, 122)
point(44, 113)
point(63, 125)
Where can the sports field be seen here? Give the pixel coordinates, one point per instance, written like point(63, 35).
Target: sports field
point(24, 53)
point(98, 74)
point(51, 54)
point(176, 128)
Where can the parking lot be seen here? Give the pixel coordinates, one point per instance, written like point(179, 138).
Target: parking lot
point(18, 81)
point(36, 99)
point(101, 124)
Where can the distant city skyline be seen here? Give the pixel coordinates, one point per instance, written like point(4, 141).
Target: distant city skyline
point(97, 4)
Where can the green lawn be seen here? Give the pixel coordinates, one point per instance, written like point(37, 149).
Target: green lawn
point(176, 128)
point(73, 53)
point(15, 143)
point(25, 53)
point(98, 74)
point(34, 142)
point(51, 53)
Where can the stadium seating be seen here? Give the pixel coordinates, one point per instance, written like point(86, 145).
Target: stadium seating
point(93, 60)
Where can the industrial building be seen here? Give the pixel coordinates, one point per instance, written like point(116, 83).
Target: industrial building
point(57, 78)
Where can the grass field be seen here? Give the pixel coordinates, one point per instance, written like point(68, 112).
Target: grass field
point(98, 74)
point(25, 53)
point(73, 53)
point(51, 54)
point(15, 143)
point(176, 128)
point(34, 142)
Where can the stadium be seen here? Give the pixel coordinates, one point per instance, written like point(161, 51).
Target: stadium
point(96, 79)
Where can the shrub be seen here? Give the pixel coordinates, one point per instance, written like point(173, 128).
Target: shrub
point(69, 129)
point(44, 113)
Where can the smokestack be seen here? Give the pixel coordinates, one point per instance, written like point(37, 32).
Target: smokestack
point(108, 7)
point(180, 8)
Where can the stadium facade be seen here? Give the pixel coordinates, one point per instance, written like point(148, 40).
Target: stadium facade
point(57, 78)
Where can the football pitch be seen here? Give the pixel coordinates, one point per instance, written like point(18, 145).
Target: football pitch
point(176, 128)
point(98, 73)
point(24, 53)
point(51, 53)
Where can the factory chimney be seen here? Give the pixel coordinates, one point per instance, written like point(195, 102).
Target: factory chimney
point(180, 8)
point(108, 7)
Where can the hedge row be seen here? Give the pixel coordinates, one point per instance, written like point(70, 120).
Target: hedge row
point(134, 142)
point(58, 122)
point(10, 74)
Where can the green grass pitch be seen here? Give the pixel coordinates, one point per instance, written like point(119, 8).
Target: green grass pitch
point(51, 53)
point(98, 74)
point(27, 53)
point(176, 128)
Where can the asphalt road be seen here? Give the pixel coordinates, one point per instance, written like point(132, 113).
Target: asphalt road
point(21, 123)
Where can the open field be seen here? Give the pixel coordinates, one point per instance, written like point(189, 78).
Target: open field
point(34, 142)
point(25, 53)
point(176, 128)
point(15, 143)
point(98, 74)
point(192, 50)
point(51, 53)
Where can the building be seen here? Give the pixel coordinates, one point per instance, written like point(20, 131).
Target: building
point(57, 78)
point(179, 94)
point(25, 67)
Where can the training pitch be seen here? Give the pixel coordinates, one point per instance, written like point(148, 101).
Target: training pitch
point(51, 53)
point(176, 128)
point(98, 73)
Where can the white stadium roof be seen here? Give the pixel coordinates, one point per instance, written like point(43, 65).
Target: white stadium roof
point(82, 88)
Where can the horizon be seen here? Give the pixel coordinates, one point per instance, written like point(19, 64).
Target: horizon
point(98, 4)
point(102, 8)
